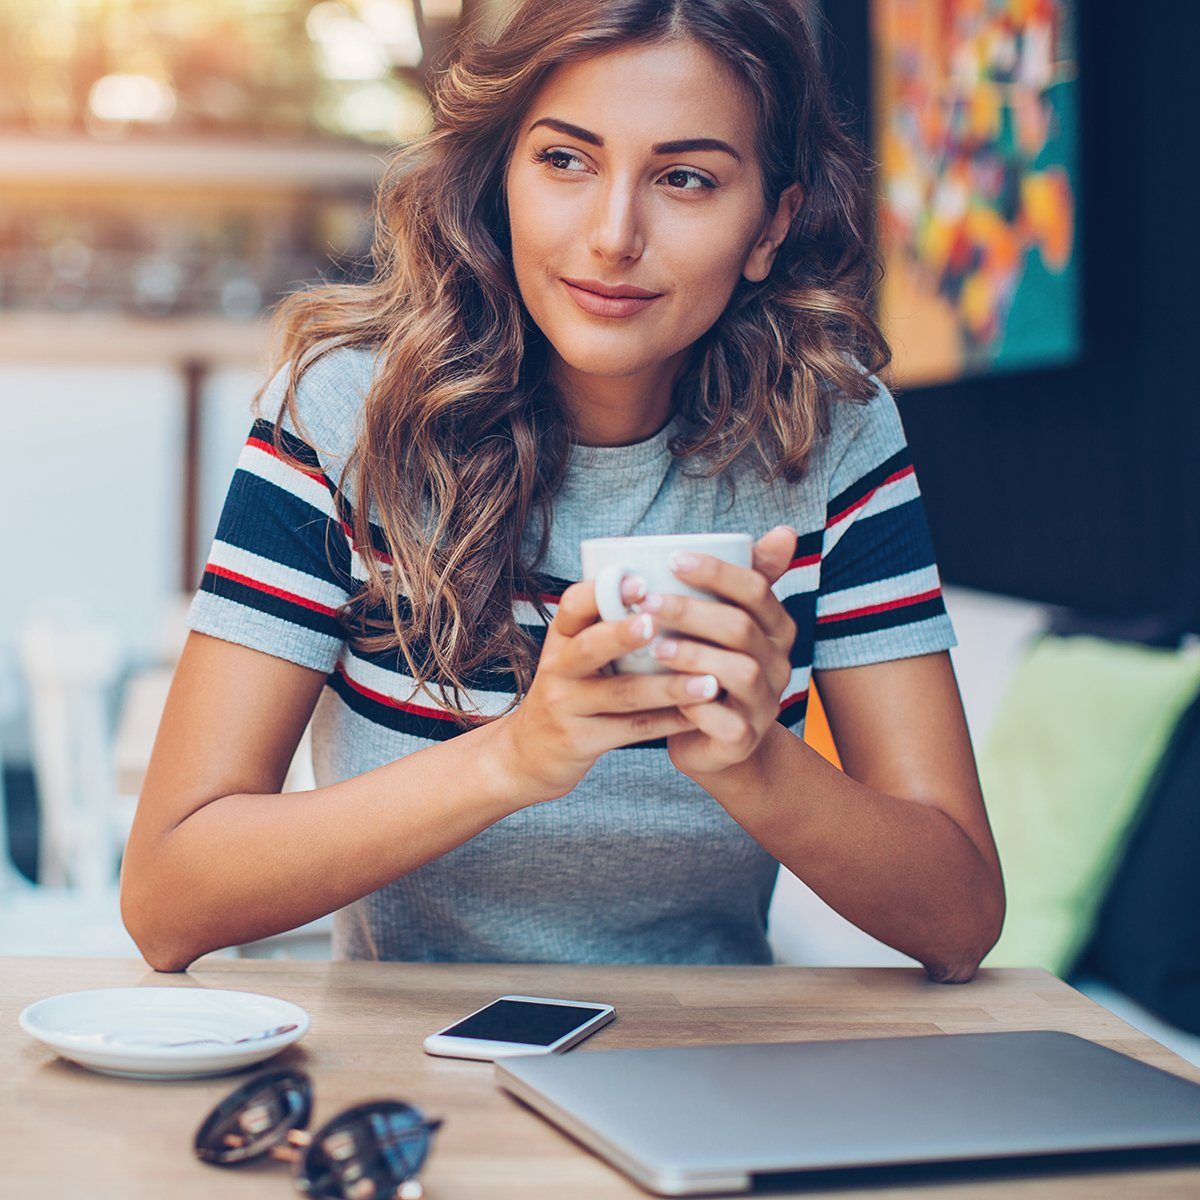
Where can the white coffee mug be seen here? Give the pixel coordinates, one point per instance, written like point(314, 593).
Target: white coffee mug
point(609, 561)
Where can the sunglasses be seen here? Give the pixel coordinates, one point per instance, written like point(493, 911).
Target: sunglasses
point(371, 1151)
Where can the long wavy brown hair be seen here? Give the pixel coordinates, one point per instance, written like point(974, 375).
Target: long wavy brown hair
point(463, 440)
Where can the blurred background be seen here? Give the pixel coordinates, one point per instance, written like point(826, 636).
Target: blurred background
point(170, 168)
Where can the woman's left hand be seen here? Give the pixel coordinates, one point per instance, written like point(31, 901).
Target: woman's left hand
point(747, 642)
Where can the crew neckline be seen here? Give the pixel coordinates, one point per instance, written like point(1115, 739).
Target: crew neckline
point(635, 454)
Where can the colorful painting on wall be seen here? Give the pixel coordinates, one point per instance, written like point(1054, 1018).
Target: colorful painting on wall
point(975, 113)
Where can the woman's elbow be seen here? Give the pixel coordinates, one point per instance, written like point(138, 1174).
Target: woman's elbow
point(159, 945)
point(959, 964)
point(160, 954)
point(959, 971)
point(167, 961)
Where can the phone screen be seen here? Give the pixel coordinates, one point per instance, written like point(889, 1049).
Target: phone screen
point(522, 1021)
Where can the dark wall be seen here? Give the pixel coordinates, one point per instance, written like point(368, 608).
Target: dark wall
point(1081, 485)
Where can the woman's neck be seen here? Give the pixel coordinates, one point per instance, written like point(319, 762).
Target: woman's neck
point(617, 410)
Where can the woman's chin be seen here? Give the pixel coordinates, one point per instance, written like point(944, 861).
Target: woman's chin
point(610, 364)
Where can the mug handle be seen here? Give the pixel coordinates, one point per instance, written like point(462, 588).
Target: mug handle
point(608, 590)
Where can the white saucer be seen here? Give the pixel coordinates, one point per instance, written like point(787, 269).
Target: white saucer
point(111, 1030)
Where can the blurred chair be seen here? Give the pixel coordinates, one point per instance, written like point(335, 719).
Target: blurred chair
point(11, 879)
point(71, 665)
point(70, 662)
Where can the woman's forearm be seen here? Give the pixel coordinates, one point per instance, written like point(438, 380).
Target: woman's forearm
point(243, 867)
point(902, 870)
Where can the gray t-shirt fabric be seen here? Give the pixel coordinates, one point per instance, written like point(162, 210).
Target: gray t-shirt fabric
point(638, 864)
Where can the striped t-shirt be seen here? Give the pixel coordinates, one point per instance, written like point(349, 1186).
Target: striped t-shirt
point(638, 863)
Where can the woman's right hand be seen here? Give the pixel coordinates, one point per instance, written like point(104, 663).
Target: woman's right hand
point(572, 714)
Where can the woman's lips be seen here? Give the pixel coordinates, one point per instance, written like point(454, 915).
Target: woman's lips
point(607, 306)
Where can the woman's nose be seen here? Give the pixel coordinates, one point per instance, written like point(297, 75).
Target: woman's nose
point(616, 228)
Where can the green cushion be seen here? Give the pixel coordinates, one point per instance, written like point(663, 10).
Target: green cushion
point(1080, 731)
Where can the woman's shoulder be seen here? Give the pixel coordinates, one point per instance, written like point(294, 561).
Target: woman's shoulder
point(329, 399)
point(855, 439)
point(859, 432)
point(847, 428)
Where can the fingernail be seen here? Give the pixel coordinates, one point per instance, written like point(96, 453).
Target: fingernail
point(643, 627)
point(702, 685)
point(682, 561)
point(664, 648)
point(652, 603)
point(789, 529)
point(633, 589)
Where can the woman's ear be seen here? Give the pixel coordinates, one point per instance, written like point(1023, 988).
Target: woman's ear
point(758, 264)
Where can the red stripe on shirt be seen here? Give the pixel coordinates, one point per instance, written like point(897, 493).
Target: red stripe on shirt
point(268, 448)
point(809, 560)
point(323, 479)
point(408, 706)
point(380, 555)
point(898, 475)
point(904, 602)
point(270, 590)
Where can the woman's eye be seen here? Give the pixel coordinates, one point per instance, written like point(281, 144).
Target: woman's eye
point(681, 179)
point(557, 158)
point(680, 173)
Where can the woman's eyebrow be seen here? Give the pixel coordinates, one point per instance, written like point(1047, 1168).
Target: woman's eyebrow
point(683, 145)
point(584, 135)
point(680, 146)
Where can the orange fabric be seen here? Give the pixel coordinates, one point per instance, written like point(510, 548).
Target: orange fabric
point(816, 729)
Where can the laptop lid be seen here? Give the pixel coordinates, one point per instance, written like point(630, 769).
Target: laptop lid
point(686, 1120)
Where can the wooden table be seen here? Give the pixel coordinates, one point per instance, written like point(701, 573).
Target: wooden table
point(66, 1131)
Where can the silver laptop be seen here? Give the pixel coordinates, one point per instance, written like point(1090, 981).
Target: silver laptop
point(687, 1120)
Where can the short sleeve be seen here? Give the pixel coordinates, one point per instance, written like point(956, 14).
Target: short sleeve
point(880, 595)
point(280, 564)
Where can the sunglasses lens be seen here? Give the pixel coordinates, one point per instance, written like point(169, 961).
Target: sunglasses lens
point(366, 1152)
point(255, 1118)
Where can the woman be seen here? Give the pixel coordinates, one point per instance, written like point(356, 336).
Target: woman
point(399, 550)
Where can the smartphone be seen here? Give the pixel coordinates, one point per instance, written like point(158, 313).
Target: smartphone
point(515, 1025)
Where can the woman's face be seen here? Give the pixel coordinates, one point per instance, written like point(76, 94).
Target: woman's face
point(637, 168)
